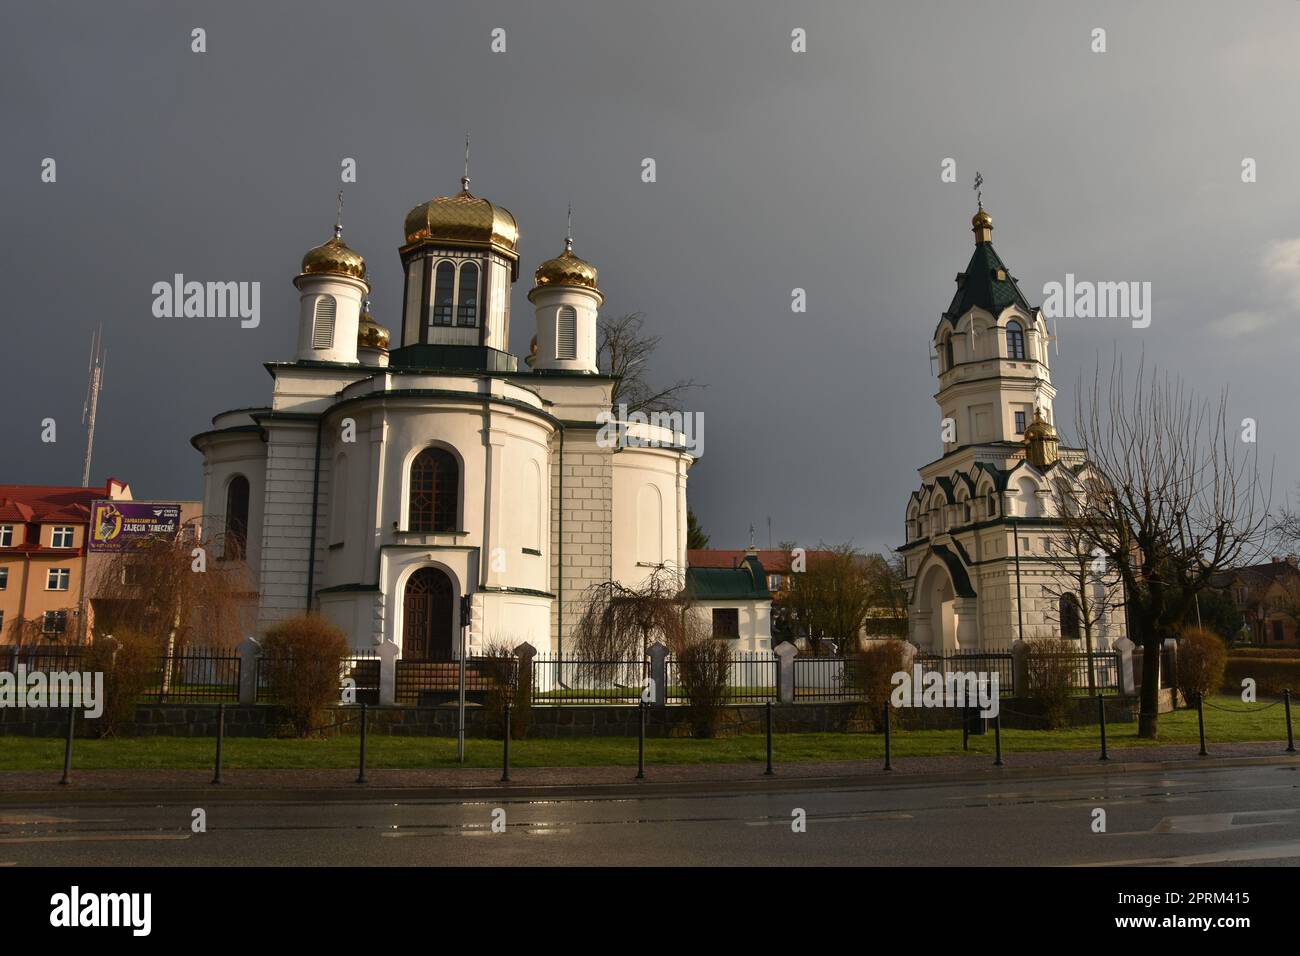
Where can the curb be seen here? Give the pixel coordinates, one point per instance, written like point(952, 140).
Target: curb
point(875, 780)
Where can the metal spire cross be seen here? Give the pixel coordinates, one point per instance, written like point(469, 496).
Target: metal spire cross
point(338, 218)
point(568, 235)
point(979, 195)
point(464, 180)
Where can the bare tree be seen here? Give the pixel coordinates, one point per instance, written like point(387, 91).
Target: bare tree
point(886, 579)
point(625, 351)
point(1085, 590)
point(831, 599)
point(619, 623)
point(1175, 500)
point(168, 590)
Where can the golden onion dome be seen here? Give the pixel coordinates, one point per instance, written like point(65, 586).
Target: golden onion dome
point(1040, 441)
point(464, 219)
point(334, 258)
point(566, 269)
point(981, 218)
point(370, 334)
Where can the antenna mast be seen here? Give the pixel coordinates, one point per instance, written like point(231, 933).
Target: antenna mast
point(98, 360)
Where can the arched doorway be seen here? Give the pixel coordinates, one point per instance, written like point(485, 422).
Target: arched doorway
point(426, 616)
point(935, 601)
point(943, 610)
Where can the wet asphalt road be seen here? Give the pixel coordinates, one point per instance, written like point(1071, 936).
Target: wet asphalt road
point(1233, 816)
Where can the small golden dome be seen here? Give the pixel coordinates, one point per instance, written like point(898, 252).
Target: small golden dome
point(370, 334)
point(981, 218)
point(334, 258)
point(566, 269)
point(1040, 441)
point(464, 219)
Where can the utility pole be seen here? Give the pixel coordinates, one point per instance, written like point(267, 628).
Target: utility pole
point(98, 359)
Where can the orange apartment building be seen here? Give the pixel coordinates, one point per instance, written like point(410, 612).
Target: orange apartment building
point(45, 564)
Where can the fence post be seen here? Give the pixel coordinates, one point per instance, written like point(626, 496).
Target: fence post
point(997, 738)
point(1101, 718)
point(888, 764)
point(1290, 737)
point(1124, 648)
point(221, 736)
point(505, 747)
point(1169, 665)
point(768, 772)
point(67, 749)
point(388, 651)
point(249, 649)
point(658, 674)
point(365, 727)
point(1019, 667)
point(525, 653)
point(640, 744)
point(785, 653)
point(1200, 720)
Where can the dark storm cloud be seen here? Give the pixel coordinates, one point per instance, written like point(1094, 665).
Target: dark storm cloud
point(776, 170)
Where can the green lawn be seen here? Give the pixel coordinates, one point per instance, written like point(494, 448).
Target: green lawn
point(1248, 722)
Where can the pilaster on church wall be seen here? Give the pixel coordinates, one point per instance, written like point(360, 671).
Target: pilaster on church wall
point(287, 520)
point(587, 511)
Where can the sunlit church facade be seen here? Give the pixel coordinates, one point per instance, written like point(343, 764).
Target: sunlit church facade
point(981, 528)
point(385, 480)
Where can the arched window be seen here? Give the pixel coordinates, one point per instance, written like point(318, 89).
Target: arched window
point(649, 526)
point(435, 491)
point(322, 326)
point(236, 538)
point(566, 334)
point(947, 353)
point(467, 298)
point(1069, 615)
point(1015, 341)
point(444, 283)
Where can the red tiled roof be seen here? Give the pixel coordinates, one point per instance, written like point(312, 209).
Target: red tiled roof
point(38, 504)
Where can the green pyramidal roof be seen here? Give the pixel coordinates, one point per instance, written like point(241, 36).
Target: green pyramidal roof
point(981, 286)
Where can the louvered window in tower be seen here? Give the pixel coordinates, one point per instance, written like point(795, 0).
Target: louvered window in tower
point(322, 330)
point(566, 334)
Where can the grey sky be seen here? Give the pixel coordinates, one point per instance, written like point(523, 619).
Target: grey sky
point(776, 170)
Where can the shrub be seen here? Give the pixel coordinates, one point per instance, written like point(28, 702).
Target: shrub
point(134, 669)
point(301, 662)
point(505, 683)
point(703, 668)
point(1271, 675)
point(1201, 661)
point(1051, 668)
point(870, 672)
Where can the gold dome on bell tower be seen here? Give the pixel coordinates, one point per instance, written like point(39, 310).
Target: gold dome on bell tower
point(1040, 441)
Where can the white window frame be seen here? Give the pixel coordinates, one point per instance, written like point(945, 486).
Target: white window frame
point(58, 530)
point(61, 575)
point(6, 536)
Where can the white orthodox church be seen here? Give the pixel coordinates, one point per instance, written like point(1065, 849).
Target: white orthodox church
point(384, 481)
point(982, 539)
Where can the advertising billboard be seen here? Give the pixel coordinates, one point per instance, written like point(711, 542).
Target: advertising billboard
point(123, 525)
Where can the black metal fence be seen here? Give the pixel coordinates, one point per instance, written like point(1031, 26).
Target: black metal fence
point(568, 680)
point(750, 678)
point(196, 675)
point(974, 661)
point(431, 682)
